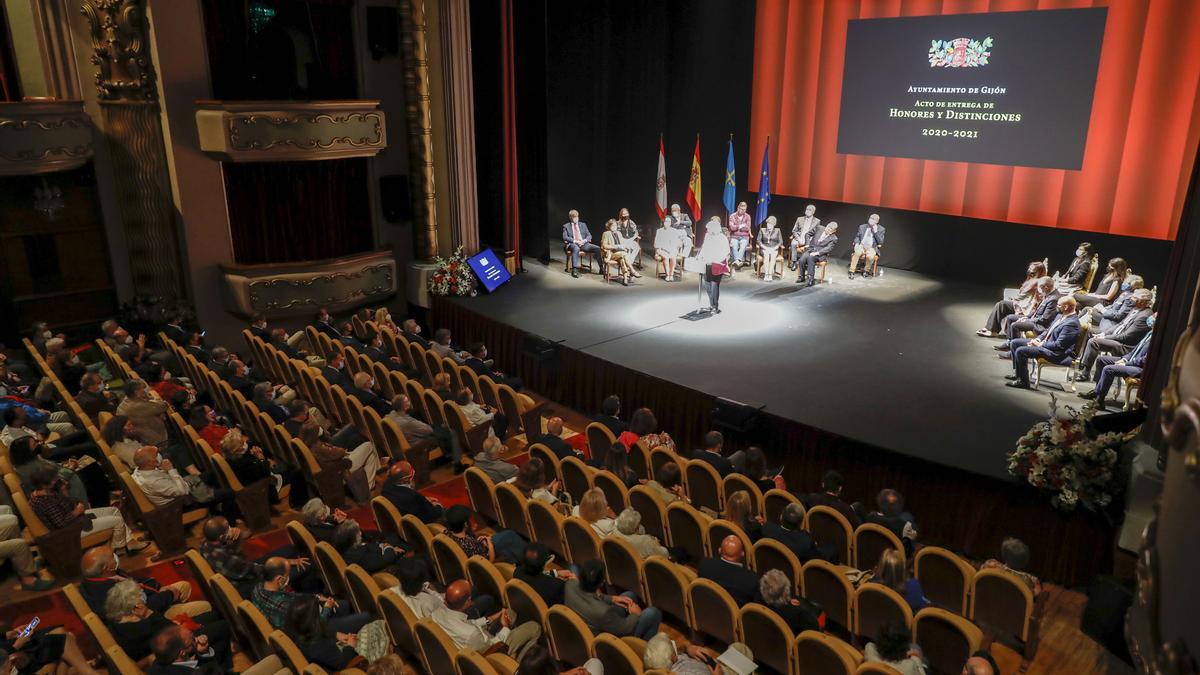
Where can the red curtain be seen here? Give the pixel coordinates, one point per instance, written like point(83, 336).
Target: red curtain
point(1141, 141)
point(292, 211)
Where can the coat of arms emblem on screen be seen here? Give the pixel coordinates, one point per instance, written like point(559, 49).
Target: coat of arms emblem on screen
point(959, 53)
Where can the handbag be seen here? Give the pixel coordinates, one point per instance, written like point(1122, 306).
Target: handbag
point(718, 269)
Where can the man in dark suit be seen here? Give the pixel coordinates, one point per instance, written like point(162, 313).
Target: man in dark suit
point(238, 379)
point(477, 362)
point(177, 651)
point(789, 531)
point(1055, 344)
point(1105, 318)
point(831, 496)
point(820, 245)
point(258, 328)
point(713, 442)
point(1043, 313)
point(174, 330)
point(347, 337)
point(220, 361)
point(891, 514)
point(577, 239)
point(867, 244)
point(553, 439)
point(279, 340)
point(729, 571)
point(195, 347)
point(334, 371)
point(610, 415)
point(94, 398)
point(532, 570)
point(364, 391)
point(324, 324)
point(1109, 368)
point(1123, 337)
point(379, 354)
point(399, 490)
point(411, 331)
point(371, 556)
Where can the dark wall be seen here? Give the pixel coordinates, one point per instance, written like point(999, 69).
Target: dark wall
point(619, 73)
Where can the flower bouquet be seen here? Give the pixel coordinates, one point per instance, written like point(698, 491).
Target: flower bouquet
point(1068, 458)
point(452, 276)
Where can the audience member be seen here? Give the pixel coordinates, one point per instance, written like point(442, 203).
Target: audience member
point(553, 439)
point(146, 414)
point(415, 588)
point(371, 556)
point(101, 572)
point(362, 462)
point(533, 569)
point(477, 413)
point(69, 444)
point(490, 463)
point(662, 654)
point(320, 520)
point(893, 573)
point(775, 591)
point(57, 509)
point(478, 362)
point(161, 482)
point(593, 507)
point(365, 391)
point(728, 570)
point(412, 332)
point(531, 481)
point(327, 648)
point(483, 633)
point(643, 427)
point(615, 460)
point(503, 546)
point(740, 510)
point(25, 460)
point(610, 416)
point(222, 550)
point(39, 650)
point(790, 532)
point(831, 496)
point(891, 514)
point(334, 371)
point(417, 432)
point(617, 614)
point(133, 624)
point(94, 397)
point(668, 483)
point(204, 420)
point(177, 651)
point(714, 441)
point(274, 594)
point(981, 663)
point(629, 528)
point(441, 386)
point(399, 490)
point(442, 347)
point(539, 661)
point(14, 548)
point(1014, 558)
point(893, 645)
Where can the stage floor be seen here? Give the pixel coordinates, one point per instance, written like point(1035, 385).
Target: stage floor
point(892, 361)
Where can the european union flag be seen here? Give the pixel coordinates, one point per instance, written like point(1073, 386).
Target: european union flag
point(764, 186)
point(730, 195)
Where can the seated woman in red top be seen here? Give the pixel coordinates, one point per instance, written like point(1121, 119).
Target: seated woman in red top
point(204, 420)
point(160, 381)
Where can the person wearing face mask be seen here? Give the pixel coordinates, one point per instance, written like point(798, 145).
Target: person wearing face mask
point(250, 464)
point(94, 398)
point(130, 350)
point(615, 250)
point(739, 234)
point(65, 365)
point(1021, 304)
point(412, 332)
point(177, 651)
point(58, 509)
point(867, 244)
point(361, 463)
point(195, 347)
point(478, 362)
point(364, 390)
point(376, 351)
point(274, 594)
point(163, 484)
point(324, 324)
point(578, 240)
point(258, 328)
point(1106, 315)
point(101, 572)
point(1111, 367)
point(683, 223)
point(1122, 338)
point(1109, 287)
point(40, 333)
point(371, 556)
point(348, 339)
point(133, 624)
point(1077, 273)
point(632, 236)
point(163, 384)
point(203, 419)
point(41, 648)
point(770, 240)
point(801, 229)
point(239, 378)
point(334, 371)
point(667, 248)
point(715, 256)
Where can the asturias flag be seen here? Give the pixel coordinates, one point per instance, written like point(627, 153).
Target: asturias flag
point(730, 195)
point(660, 192)
point(693, 193)
point(764, 186)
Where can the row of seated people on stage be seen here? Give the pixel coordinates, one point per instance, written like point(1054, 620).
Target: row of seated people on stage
point(273, 583)
point(808, 243)
point(1105, 333)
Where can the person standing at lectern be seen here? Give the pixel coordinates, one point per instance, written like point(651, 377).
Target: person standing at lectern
point(715, 256)
point(820, 244)
point(805, 225)
point(577, 239)
point(867, 244)
point(770, 239)
point(682, 222)
point(615, 248)
point(739, 234)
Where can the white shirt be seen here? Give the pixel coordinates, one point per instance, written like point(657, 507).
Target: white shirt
point(424, 603)
point(161, 486)
point(10, 434)
point(475, 414)
point(715, 248)
point(467, 633)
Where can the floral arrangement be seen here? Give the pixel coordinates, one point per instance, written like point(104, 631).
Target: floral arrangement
point(453, 276)
point(1066, 457)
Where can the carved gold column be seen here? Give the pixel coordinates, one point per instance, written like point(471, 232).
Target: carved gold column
point(420, 127)
point(125, 82)
point(458, 93)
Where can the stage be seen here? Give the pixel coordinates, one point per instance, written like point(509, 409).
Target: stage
point(892, 361)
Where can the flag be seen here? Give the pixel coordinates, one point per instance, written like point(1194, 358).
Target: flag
point(693, 193)
point(661, 191)
point(764, 186)
point(730, 196)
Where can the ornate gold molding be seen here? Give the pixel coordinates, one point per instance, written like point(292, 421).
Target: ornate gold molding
point(299, 288)
point(44, 136)
point(420, 127)
point(275, 131)
point(120, 50)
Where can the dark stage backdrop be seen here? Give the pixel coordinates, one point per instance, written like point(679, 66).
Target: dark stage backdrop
point(619, 73)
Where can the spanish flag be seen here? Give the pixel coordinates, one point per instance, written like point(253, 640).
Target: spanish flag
point(693, 193)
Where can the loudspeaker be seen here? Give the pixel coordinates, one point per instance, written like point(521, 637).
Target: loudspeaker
point(394, 198)
point(541, 351)
point(1103, 618)
point(383, 32)
point(734, 416)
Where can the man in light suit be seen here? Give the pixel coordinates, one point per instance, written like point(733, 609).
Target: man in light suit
point(578, 239)
point(1123, 337)
point(867, 243)
point(1109, 368)
point(1055, 344)
point(805, 225)
point(820, 244)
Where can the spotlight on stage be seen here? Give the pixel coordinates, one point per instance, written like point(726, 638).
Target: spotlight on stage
point(739, 316)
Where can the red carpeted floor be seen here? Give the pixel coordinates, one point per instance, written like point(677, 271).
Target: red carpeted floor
point(54, 610)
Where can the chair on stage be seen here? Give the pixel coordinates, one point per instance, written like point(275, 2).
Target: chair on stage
point(1070, 363)
point(583, 255)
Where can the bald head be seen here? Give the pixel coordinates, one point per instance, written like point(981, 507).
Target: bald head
point(146, 458)
point(977, 665)
point(458, 595)
point(403, 471)
point(554, 426)
point(362, 380)
point(732, 549)
point(98, 562)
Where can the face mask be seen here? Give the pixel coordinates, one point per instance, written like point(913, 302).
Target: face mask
point(1150, 321)
point(47, 334)
point(116, 560)
point(1124, 287)
point(128, 339)
point(1078, 252)
point(245, 371)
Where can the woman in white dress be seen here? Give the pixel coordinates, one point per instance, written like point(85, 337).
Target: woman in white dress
point(666, 247)
point(714, 253)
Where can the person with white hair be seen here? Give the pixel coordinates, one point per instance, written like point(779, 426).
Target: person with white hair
point(714, 253)
point(629, 528)
point(683, 223)
point(662, 654)
point(770, 240)
point(490, 463)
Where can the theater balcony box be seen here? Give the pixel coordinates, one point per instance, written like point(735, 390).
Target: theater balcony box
point(299, 288)
point(43, 135)
point(290, 131)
